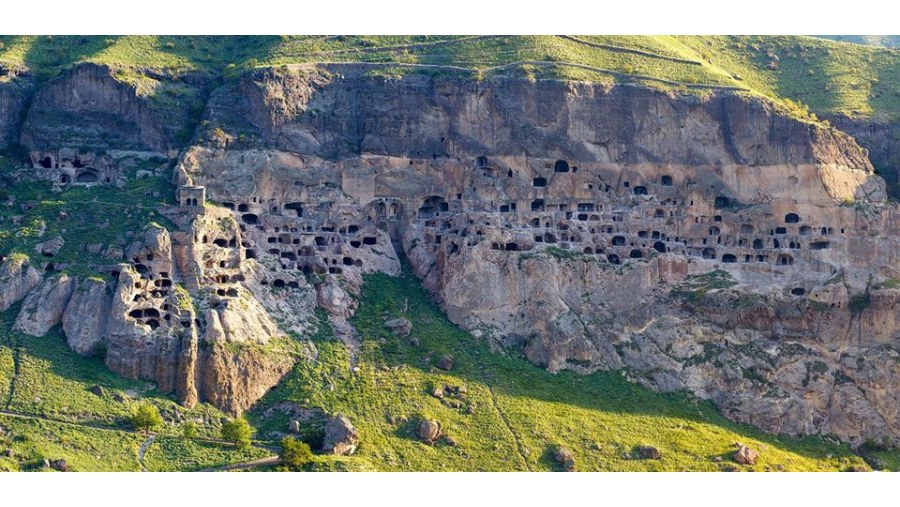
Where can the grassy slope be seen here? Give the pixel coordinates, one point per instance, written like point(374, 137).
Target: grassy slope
point(92, 432)
point(520, 412)
point(96, 215)
point(831, 77)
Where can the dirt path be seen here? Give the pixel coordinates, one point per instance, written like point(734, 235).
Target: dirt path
point(270, 460)
point(143, 450)
point(16, 353)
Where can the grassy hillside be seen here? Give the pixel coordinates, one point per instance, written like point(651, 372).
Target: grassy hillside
point(90, 220)
point(48, 410)
point(512, 414)
point(830, 77)
point(887, 41)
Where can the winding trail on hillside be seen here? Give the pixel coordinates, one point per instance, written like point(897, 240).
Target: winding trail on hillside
point(143, 450)
point(621, 49)
point(520, 449)
point(16, 353)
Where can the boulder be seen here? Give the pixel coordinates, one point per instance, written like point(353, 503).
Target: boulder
point(43, 307)
point(414, 342)
point(429, 431)
point(400, 327)
point(445, 363)
point(17, 278)
point(294, 426)
point(60, 465)
point(50, 248)
point(97, 390)
point(648, 452)
point(565, 458)
point(341, 437)
point(85, 319)
point(745, 455)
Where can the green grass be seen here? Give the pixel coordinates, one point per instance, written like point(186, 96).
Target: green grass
point(830, 77)
point(98, 215)
point(84, 449)
point(172, 454)
point(827, 76)
point(518, 413)
point(53, 387)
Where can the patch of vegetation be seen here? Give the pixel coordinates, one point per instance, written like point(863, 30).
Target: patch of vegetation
point(172, 454)
point(146, 417)
point(83, 448)
point(90, 220)
point(696, 287)
point(890, 283)
point(238, 432)
point(508, 411)
point(295, 454)
point(859, 302)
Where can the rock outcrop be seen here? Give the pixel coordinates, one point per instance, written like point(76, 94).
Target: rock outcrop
point(17, 278)
point(43, 307)
point(16, 87)
point(341, 437)
point(84, 321)
point(102, 107)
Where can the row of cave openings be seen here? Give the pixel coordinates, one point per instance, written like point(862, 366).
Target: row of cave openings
point(83, 174)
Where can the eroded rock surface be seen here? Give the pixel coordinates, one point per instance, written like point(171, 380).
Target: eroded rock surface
point(708, 244)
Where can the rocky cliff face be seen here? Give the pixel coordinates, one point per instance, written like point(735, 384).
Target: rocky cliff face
point(102, 107)
point(881, 138)
point(16, 87)
point(706, 244)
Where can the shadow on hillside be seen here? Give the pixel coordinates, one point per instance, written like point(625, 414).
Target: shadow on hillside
point(603, 391)
point(47, 56)
point(213, 53)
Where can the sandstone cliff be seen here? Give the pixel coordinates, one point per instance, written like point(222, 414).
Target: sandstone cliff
point(705, 243)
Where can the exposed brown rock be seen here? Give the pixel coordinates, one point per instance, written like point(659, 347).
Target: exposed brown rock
point(400, 327)
point(648, 452)
point(429, 431)
point(341, 437)
point(445, 363)
point(84, 321)
point(17, 278)
point(745, 455)
point(43, 307)
point(565, 457)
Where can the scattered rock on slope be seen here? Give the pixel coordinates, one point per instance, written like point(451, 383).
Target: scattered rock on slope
point(341, 437)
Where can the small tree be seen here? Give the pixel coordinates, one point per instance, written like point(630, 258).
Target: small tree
point(294, 453)
point(146, 417)
point(237, 431)
point(189, 429)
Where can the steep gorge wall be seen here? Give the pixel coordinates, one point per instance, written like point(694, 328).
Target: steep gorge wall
point(703, 244)
point(706, 244)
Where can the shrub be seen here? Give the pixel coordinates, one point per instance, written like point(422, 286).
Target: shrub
point(237, 431)
point(146, 417)
point(294, 453)
point(859, 302)
point(189, 430)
